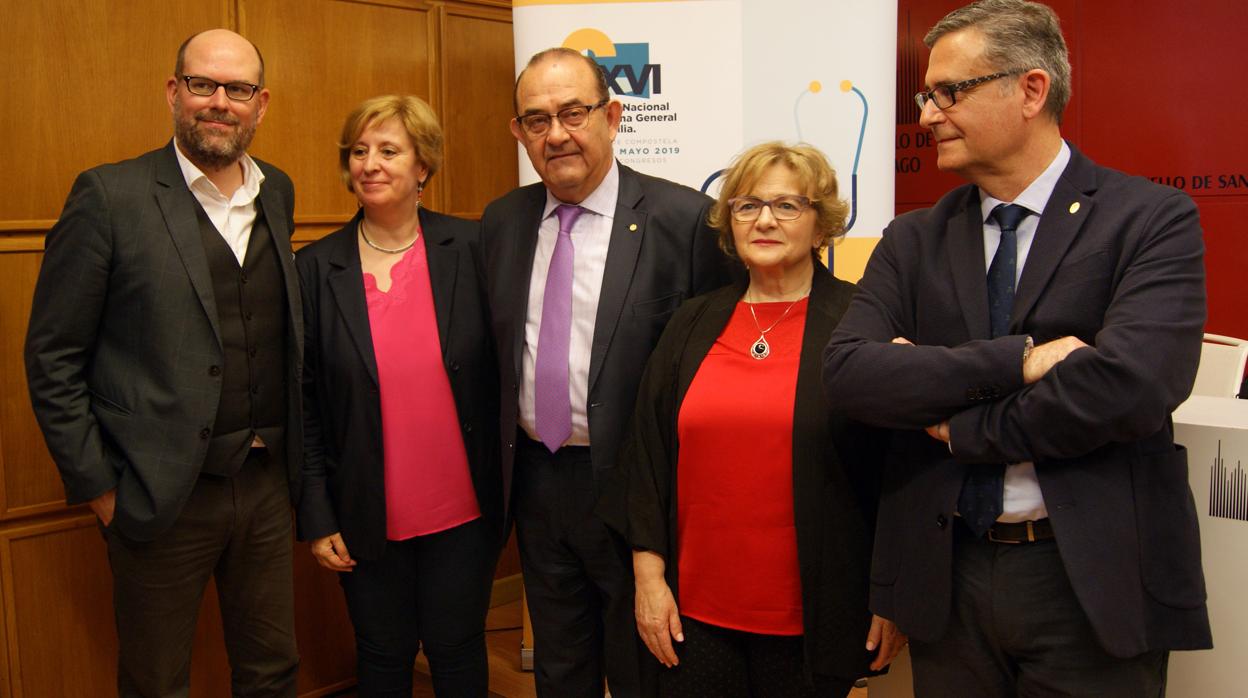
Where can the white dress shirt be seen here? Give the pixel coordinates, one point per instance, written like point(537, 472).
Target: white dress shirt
point(1023, 500)
point(591, 236)
point(232, 216)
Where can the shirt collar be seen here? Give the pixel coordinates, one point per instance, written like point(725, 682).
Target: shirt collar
point(600, 201)
point(1036, 196)
point(196, 180)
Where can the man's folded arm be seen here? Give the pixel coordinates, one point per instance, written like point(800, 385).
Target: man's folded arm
point(873, 379)
point(1139, 367)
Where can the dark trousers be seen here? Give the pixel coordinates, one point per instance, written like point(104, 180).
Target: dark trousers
point(718, 662)
point(237, 530)
point(431, 591)
point(578, 577)
point(1017, 629)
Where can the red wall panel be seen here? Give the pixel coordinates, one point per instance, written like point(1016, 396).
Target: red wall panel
point(1158, 92)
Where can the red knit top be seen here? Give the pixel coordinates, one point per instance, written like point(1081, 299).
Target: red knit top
point(736, 539)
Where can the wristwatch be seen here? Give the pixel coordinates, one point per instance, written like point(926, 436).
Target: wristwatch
point(1028, 345)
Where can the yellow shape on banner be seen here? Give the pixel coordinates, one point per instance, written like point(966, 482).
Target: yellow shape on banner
point(846, 86)
point(815, 86)
point(590, 40)
point(850, 255)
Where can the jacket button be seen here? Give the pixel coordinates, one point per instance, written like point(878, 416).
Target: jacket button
point(467, 428)
point(941, 521)
point(205, 433)
point(455, 367)
point(214, 371)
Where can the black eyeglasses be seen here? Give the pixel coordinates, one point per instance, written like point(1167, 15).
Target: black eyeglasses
point(786, 207)
point(571, 118)
point(207, 87)
point(945, 96)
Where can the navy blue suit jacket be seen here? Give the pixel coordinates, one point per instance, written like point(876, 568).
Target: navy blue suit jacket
point(1117, 262)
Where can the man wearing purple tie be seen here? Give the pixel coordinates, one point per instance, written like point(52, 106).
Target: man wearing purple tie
point(583, 272)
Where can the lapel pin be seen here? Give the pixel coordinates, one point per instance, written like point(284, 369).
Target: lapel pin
point(632, 227)
point(1074, 208)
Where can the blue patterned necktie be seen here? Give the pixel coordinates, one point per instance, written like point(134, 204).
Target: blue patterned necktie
point(552, 405)
point(981, 500)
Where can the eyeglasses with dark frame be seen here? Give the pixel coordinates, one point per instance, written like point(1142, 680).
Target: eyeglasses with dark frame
point(571, 118)
point(945, 96)
point(207, 87)
point(786, 207)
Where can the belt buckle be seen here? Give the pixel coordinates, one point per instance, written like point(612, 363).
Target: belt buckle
point(1031, 535)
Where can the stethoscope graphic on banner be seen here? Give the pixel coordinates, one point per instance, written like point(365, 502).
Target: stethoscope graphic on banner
point(816, 86)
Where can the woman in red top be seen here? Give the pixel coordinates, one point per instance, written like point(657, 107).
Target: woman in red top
point(401, 481)
point(748, 504)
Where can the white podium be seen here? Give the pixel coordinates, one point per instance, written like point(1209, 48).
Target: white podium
point(1215, 431)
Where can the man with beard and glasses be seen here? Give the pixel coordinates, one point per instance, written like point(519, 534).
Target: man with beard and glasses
point(163, 358)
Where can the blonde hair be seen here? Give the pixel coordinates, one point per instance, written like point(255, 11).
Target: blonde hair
point(413, 113)
point(813, 171)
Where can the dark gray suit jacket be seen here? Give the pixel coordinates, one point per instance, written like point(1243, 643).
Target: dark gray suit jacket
point(661, 253)
point(1117, 262)
point(123, 352)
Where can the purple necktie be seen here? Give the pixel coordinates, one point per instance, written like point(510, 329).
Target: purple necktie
point(552, 404)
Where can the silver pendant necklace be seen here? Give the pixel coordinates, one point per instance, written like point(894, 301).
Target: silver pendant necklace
point(760, 349)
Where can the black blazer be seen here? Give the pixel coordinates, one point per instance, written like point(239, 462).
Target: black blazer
point(343, 477)
point(661, 253)
point(1117, 262)
point(123, 350)
point(836, 466)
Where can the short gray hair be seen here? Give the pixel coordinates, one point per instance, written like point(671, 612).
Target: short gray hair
point(1018, 36)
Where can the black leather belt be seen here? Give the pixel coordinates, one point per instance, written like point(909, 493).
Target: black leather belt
point(1010, 533)
point(1021, 532)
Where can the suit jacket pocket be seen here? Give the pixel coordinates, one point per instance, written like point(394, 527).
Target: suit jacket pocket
point(104, 403)
point(664, 305)
point(1169, 536)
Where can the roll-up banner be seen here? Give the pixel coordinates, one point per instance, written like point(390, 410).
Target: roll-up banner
point(700, 80)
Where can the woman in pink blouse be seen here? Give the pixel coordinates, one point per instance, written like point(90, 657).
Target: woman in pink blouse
point(401, 485)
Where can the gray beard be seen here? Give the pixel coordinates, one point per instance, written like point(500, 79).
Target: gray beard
point(212, 152)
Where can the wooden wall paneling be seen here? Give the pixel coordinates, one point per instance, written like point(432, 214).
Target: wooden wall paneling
point(29, 483)
point(86, 87)
point(60, 633)
point(60, 630)
point(324, 57)
point(7, 625)
point(58, 609)
point(434, 195)
point(478, 70)
point(322, 627)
